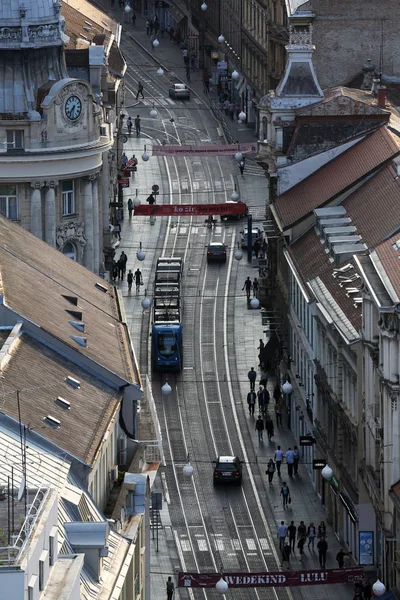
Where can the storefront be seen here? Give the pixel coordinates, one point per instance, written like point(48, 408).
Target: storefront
point(349, 523)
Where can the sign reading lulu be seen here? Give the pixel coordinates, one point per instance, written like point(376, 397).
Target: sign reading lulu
point(209, 150)
point(277, 579)
point(190, 210)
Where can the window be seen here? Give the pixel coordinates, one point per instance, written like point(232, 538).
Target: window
point(69, 250)
point(68, 197)
point(15, 139)
point(9, 201)
point(41, 575)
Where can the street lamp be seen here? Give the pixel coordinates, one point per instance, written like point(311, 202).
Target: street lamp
point(127, 9)
point(156, 43)
point(188, 469)
point(255, 303)
point(140, 255)
point(166, 389)
point(145, 155)
point(221, 39)
point(221, 586)
point(146, 301)
point(160, 71)
point(235, 75)
point(287, 388)
point(238, 253)
point(204, 7)
point(235, 195)
point(238, 156)
point(242, 116)
point(153, 112)
point(327, 474)
point(378, 588)
point(136, 200)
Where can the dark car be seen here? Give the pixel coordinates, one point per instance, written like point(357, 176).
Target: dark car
point(216, 252)
point(234, 217)
point(228, 469)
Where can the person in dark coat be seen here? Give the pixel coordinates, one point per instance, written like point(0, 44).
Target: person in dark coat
point(269, 426)
point(286, 554)
point(340, 558)
point(251, 401)
point(151, 200)
point(260, 427)
point(124, 259)
point(252, 375)
point(260, 348)
point(256, 248)
point(277, 393)
point(367, 590)
point(322, 550)
point(270, 470)
point(120, 267)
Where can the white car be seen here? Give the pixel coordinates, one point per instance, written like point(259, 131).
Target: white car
point(179, 91)
point(256, 234)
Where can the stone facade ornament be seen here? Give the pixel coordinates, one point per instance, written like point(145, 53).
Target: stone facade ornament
point(300, 37)
point(37, 185)
point(71, 231)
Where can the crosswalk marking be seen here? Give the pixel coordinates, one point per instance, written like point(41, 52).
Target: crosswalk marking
point(219, 544)
point(236, 544)
point(251, 545)
point(185, 545)
point(264, 543)
point(202, 545)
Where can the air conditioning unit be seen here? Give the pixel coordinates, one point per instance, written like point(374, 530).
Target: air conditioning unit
point(114, 473)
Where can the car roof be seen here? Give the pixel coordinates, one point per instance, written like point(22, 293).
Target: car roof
point(180, 85)
point(227, 459)
point(216, 245)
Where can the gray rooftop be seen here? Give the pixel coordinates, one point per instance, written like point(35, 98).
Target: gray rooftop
point(36, 10)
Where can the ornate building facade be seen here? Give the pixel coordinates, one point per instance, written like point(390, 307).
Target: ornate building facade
point(54, 141)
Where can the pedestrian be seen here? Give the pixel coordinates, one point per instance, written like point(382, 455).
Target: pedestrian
point(270, 471)
point(321, 530)
point(248, 285)
point(117, 230)
point(120, 267)
point(114, 270)
point(252, 375)
point(130, 207)
point(231, 110)
point(185, 54)
point(256, 248)
point(255, 287)
point(138, 279)
point(300, 546)
point(278, 415)
point(285, 493)
point(340, 558)
point(260, 427)
point(311, 535)
point(151, 27)
point(278, 459)
point(241, 168)
point(286, 551)
point(133, 19)
point(292, 535)
point(367, 590)
point(151, 199)
point(358, 591)
point(124, 159)
point(124, 259)
point(269, 426)
point(289, 461)
point(277, 393)
point(170, 588)
point(137, 122)
point(282, 533)
point(129, 125)
point(296, 460)
point(148, 27)
point(251, 401)
point(302, 531)
point(129, 279)
point(226, 106)
point(322, 550)
point(140, 91)
point(260, 348)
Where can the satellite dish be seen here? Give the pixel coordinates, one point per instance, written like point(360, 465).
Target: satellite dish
point(21, 489)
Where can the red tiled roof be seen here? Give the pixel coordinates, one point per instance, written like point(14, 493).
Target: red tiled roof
point(390, 259)
point(337, 176)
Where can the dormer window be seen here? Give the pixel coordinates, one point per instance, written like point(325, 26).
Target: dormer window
point(15, 139)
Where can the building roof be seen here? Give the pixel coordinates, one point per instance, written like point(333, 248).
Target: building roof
point(39, 374)
point(39, 11)
point(83, 24)
point(389, 256)
point(42, 285)
point(337, 176)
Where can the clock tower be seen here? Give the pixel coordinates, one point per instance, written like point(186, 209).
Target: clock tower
point(54, 143)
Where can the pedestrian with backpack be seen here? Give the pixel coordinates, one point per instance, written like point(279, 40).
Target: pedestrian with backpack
point(270, 471)
point(260, 427)
point(285, 493)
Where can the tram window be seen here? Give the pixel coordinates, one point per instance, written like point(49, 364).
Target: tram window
point(167, 344)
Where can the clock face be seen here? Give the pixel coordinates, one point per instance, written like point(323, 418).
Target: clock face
point(73, 108)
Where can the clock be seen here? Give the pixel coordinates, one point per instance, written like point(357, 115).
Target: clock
point(73, 108)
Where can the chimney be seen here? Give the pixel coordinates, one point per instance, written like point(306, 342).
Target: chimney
point(369, 72)
point(375, 84)
point(382, 96)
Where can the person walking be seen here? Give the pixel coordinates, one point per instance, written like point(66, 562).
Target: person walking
point(262, 397)
point(129, 279)
point(367, 590)
point(137, 124)
point(296, 460)
point(251, 401)
point(285, 493)
point(148, 27)
point(252, 375)
point(292, 535)
point(130, 207)
point(133, 19)
point(256, 287)
point(322, 550)
point(302, 531)
point(340, 558)
point(124, 259)
point(248, 285)
point(256, 248)
point(270, 470)
point(138, 280)
point(311, 535)
point(260, 348)
point(278, 415)
point(269, 426)
point(290, 461)
point(170, 588)
point(129, 125)
point(278, 459)
point(120, 267)
point(241, 168)
point(260, 427)
point(151, 27)
point(282, 533)
point(300, 545)
point(286, 551)
point(151, 199)
point(321, 530)
point(277, 393)
point(140, 91)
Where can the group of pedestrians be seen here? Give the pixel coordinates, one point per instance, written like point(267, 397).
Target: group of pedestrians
point(289, 535)
point(129, 122)
point(119, 267)
point(250, 286)
point(292, 461)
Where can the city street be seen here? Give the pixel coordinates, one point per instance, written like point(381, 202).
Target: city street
point(206, 528)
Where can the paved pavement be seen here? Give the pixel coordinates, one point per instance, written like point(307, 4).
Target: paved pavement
point(248, 330)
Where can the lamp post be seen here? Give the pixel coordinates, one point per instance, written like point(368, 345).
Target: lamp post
point(221, 586)
point(326, 475)
point(378, 589)
point(287, 389)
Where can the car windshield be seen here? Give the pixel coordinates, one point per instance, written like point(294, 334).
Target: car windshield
point(226, 467)
point(167, 344)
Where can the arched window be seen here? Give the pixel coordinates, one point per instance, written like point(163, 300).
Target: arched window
point(264, 128)
point(69, 250)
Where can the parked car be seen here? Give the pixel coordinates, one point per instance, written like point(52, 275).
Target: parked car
point(228, 469)
point(216, 252)
point(256, 234)
point(234, 217)
point(179, 91)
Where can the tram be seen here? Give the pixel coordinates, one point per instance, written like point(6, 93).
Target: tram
point(167, 344)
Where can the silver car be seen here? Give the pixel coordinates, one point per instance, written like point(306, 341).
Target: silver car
point(179, 91)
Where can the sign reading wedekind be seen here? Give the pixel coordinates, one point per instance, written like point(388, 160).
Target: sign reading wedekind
point(269, 579)
point(209, 150)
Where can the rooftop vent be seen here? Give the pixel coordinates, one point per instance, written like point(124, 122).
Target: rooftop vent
point(73, 382)
point(72, 299)
point(79, 325)
point(343, 252)
point(55, 423)
point(63, 403)
point(337, 222)
point(331, 212)
point(82, 341)
point(100, 287)
point(76, 314)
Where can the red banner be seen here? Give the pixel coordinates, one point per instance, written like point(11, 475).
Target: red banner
point(190, 210)
point(209, 150)
point(269, 579)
